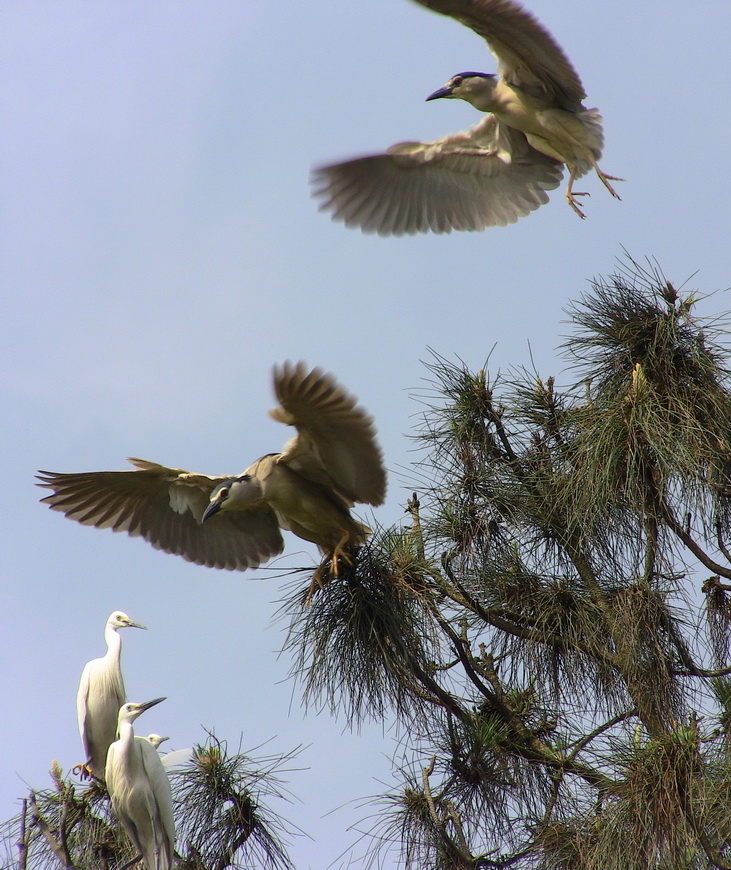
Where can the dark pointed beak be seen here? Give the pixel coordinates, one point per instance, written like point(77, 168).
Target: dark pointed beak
point(446, 91)
point(148, 704)
point(131, 624)
point(213, 508)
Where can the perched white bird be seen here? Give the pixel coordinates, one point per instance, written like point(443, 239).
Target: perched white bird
point(170, 759)
point(101, 694)
point(140, 792)
point(499, 170)
point(234, 522)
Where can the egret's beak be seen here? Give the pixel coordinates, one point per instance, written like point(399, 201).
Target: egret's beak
point(213, 508)
point(148, 704)
point(131, 624)
point(446, 91)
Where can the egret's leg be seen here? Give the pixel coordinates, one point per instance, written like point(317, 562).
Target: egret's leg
point(83, 771)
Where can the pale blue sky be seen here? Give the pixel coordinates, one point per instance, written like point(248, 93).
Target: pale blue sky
point(160, 251)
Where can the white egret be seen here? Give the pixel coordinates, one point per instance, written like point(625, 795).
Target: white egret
point(170, 759)
point(140, 792)
point(499, 170)
point(234, 522)
point(101, 694)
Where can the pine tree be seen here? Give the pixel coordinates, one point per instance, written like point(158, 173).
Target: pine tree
point(552, 628)
point(549, 630)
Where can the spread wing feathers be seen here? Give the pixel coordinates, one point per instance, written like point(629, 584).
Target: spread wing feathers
point(528, 55)
point(165, 506)
point(336, 440)
point(483, 177)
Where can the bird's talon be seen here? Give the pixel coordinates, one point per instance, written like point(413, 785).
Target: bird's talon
point(82, 770)
point(572, 202)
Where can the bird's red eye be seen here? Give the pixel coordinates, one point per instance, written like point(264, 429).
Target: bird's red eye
point(457, 81)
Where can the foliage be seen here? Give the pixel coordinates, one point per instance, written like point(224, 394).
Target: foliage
point(552, 630)
point(220, 815)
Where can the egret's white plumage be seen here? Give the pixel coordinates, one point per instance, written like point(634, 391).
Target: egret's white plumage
point(101, 694)
point(234, 522)
point(174, 758)
point(140, 792)
point(499, 170)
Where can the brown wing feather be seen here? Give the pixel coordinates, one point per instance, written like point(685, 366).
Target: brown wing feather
point(483, 177)
point(528, 55)
point(164, 506)
point(336, 441)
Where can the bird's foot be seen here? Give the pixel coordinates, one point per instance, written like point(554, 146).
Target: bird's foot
point(83, 771)
point(339, 553)
point(605, 179)
point(571, 200)
point(329, 567)
point(318, 581)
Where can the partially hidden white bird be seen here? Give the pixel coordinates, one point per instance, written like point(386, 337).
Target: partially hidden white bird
point(101, 694)
point(139, 790)
point(499, 170)
point(175, 757)
point(234, 522)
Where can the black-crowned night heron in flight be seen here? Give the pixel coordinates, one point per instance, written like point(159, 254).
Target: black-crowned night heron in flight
point(139, 790)
point(234, 522)
point(499, 170)
point(101, 694)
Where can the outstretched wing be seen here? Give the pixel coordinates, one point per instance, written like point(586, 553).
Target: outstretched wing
point(165, 506)
point(336, 440)
point(528, 55)
point(483, 177)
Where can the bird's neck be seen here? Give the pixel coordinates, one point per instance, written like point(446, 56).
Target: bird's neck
point(487, 96)
point(515, 108)
point(126, 738)
point(114, 644)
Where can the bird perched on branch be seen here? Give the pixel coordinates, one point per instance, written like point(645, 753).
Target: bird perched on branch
point(140, 791)
point(100, 695)
point(234, 522)
point(499, 170)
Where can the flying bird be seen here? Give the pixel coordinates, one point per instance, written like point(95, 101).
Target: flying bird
point(139, 790)
point(499, 170)
point(234, 522)
point(100, 695)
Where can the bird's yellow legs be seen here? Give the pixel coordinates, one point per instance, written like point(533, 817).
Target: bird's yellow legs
point(319, 575)
point(82, 770)
point(603, 177)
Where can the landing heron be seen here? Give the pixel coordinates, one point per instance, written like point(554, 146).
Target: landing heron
point(499, 170)
point(234, 522)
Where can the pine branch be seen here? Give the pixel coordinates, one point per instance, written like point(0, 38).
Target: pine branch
point(691, 544)
point(59, 848)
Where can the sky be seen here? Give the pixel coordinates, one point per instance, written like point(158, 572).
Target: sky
point(160, 251)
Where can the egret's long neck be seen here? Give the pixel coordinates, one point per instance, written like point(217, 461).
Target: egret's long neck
point(126, 739)
point(114, 644)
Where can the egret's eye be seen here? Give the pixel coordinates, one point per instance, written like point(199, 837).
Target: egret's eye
point(457, 81)
point(223, 493)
